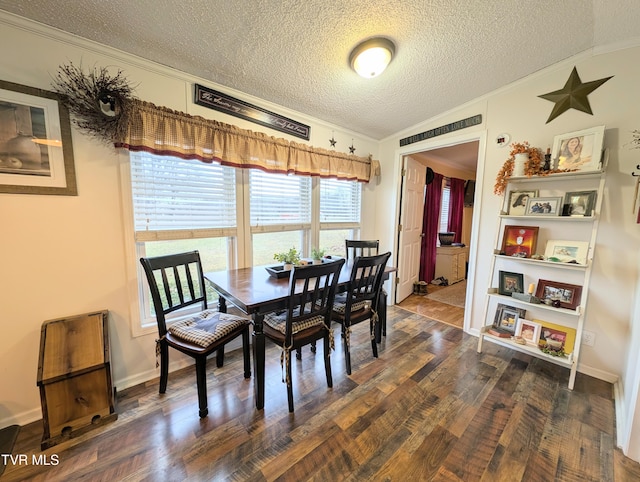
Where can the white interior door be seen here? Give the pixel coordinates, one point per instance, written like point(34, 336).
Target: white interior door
point(410, 236)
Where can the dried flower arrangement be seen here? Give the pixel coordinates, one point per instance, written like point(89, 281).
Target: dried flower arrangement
point(99, 102)
point(533, 167)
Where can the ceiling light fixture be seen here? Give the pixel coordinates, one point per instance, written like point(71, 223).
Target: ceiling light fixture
point(371, 57)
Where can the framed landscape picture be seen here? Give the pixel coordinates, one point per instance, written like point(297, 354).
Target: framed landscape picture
point(519, 241)
point(567, 294)
point(36, 154)
point(567, 251)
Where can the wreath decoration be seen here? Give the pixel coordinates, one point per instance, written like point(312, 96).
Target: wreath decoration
point(100, 102)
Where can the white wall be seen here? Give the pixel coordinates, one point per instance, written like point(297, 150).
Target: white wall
point(517, 110)
point(62, 256)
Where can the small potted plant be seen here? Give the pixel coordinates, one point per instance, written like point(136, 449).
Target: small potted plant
point(289, 258)
point(317, 254)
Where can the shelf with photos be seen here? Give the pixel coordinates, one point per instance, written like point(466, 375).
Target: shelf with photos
point(547, 231)
point(519, 242)
point(511, 325)
point(562, 360)
point(493, 292)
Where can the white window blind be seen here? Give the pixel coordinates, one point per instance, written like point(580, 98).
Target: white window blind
point(444, 207)
point(339, 201)
point(279, 199)
point(172, 195)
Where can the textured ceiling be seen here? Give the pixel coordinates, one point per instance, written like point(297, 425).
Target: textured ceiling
point(295, 52)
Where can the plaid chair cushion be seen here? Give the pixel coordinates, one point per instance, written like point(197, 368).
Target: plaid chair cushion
point(278, 321)
point(340, 304)
point(206, 327)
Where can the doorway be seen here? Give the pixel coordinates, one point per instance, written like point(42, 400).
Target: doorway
point(458, 160)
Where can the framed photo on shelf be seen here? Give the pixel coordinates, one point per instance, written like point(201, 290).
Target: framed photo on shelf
point(518, 202)
point(519, 241)
point(529, 330)
point(507, 317)
point(567, 251)
point(544, 206)
point(558, 333)
point(567, 294)
point(579, 150)
point(580, 203)
point(510, 283)
point(36, 153)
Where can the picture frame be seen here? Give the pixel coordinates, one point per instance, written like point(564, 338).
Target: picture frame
point(579, 150)
point(509, 283)
point(567, 251)
point(580, 203)
point(506, 318)
point(517, 203)
point(567, 294)
point(36, 151)
point(519, 241)
point(529, 330)
point(565, 334)
point(544, 206)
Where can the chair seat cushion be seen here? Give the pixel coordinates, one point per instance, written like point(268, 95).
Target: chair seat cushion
point(278, 321)
point(340, 304)
point(206, 327)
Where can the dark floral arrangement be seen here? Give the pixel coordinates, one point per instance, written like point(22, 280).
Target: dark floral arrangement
point(98, 101)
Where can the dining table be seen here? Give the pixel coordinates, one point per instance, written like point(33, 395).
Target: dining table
point(255, 292)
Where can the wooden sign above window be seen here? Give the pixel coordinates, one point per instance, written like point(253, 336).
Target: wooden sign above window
point(238, 108)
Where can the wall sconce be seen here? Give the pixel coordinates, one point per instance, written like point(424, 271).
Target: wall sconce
point(371, 57)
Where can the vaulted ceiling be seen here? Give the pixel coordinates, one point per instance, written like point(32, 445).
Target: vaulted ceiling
point(295, 53)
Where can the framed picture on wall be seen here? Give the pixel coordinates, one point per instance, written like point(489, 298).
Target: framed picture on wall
point(579, 150)
point(519, 241)
point(36, 154)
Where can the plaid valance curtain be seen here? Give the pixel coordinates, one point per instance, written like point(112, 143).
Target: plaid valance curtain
point(164, 131)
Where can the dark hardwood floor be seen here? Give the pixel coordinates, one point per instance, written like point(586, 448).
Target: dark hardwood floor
point(430, 408)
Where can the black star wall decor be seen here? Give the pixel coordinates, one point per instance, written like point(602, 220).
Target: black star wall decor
point(351, 148)
point(332, 141)
point(573, 95)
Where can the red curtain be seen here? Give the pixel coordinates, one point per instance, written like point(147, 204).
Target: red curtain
point(430, 224)
point(456, 205)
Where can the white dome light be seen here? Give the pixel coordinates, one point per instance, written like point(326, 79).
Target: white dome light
point(371, 57)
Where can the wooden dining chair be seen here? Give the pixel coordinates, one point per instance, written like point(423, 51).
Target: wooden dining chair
point(177, 281)
point(370, 248)
point(307, 317)
point(359, 302)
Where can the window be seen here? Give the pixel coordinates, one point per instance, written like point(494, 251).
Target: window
point(340, 208)
point(233, 217)
point(280, 213)
point(444, 206)
point(181, 205)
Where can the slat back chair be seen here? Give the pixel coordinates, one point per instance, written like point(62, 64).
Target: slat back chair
point(307, 317)
point(176, 281)
point(361, 247)
point(370, 247)
point(359, 302)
